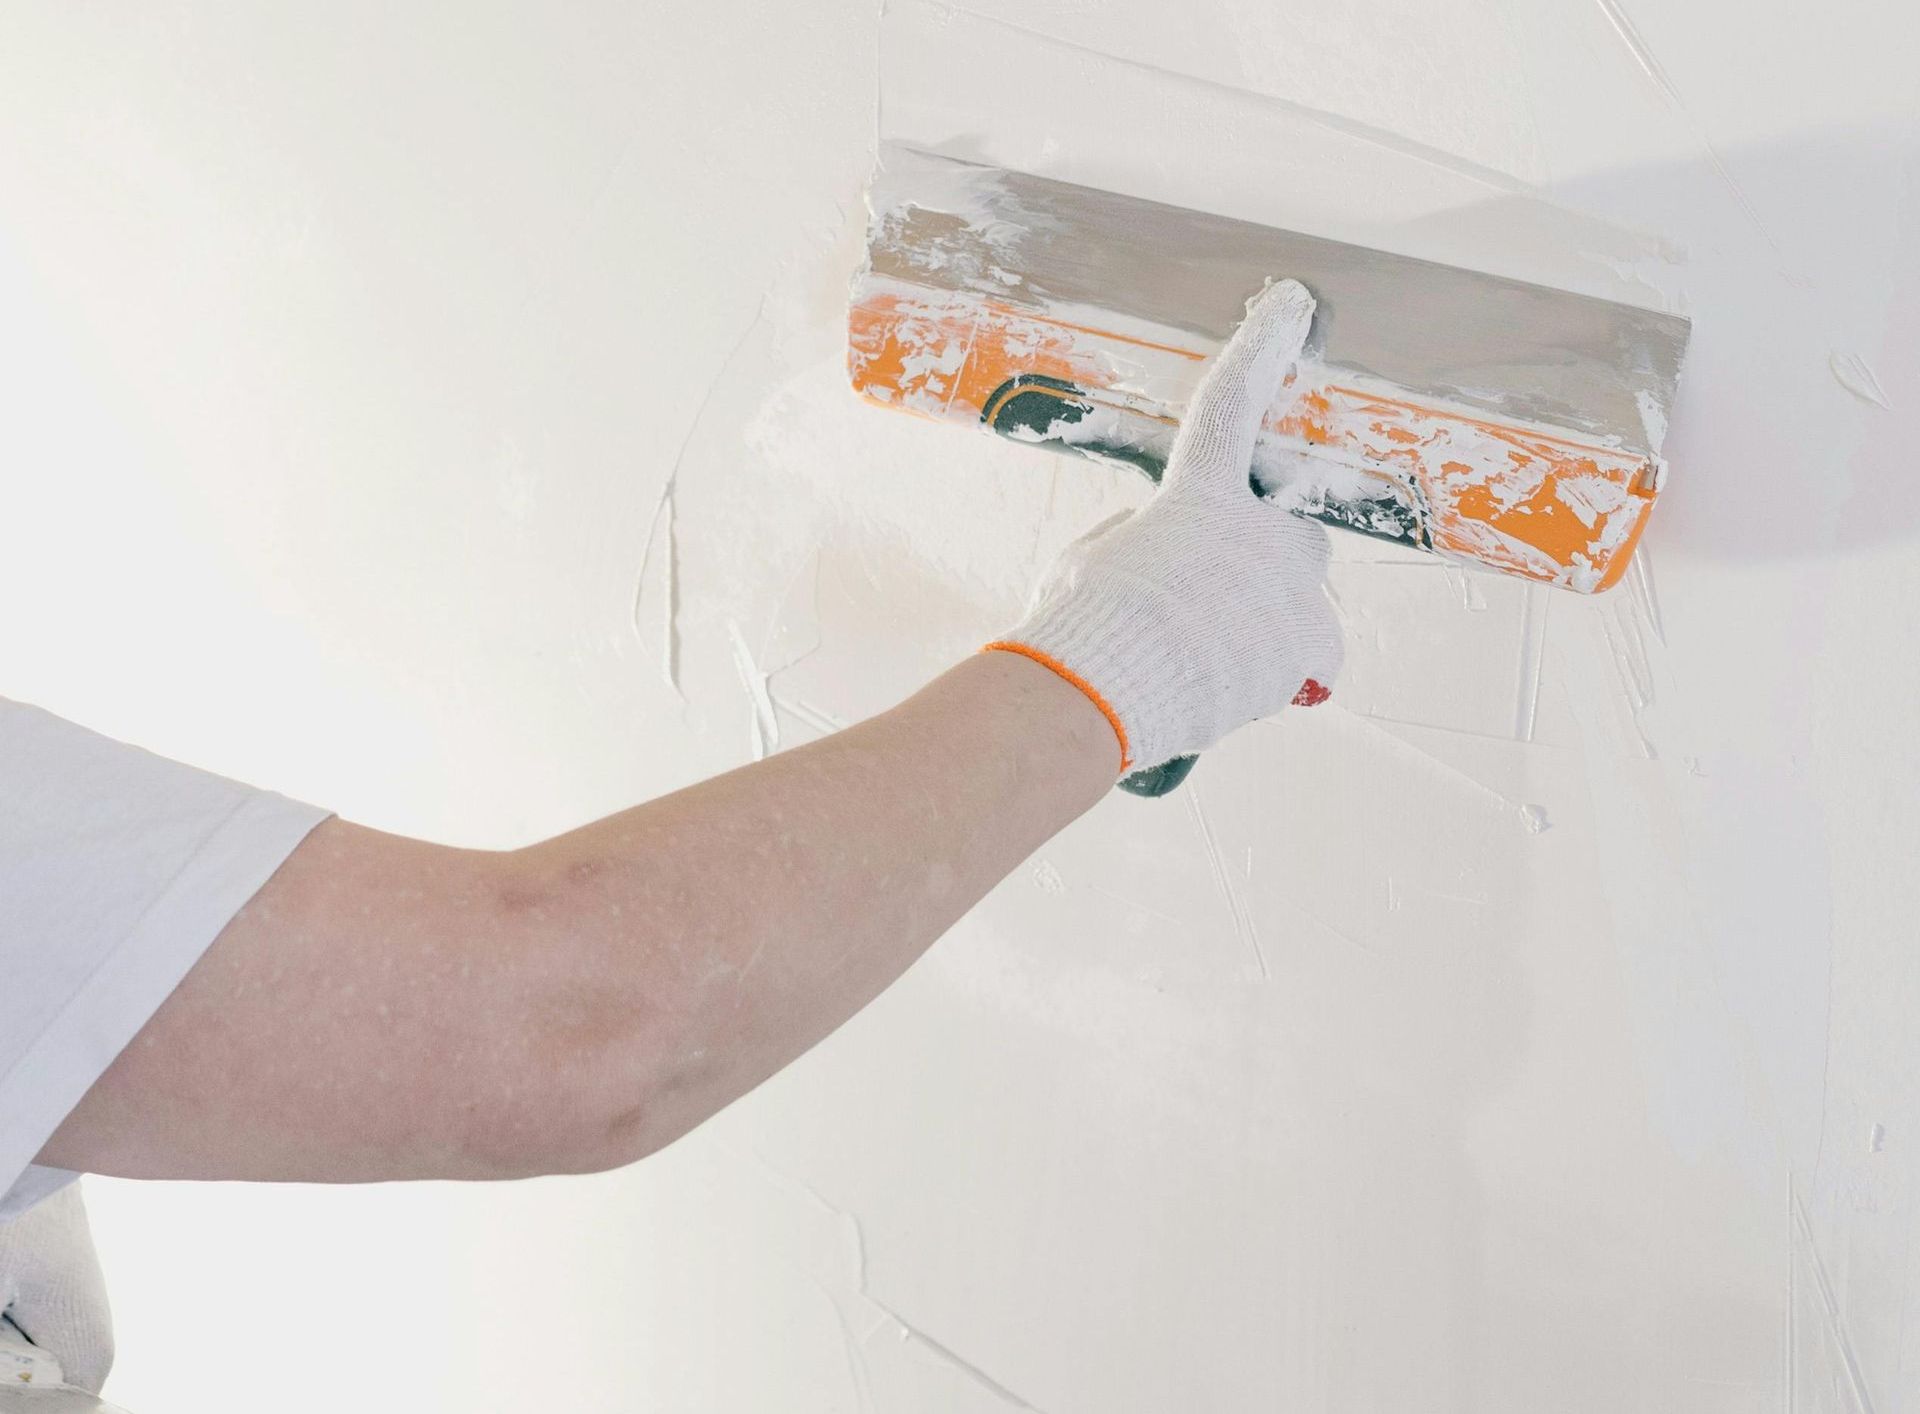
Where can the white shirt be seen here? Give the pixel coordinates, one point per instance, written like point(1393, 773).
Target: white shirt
point(117, 869)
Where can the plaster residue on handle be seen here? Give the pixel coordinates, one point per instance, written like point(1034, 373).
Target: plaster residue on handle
point(1341, 445)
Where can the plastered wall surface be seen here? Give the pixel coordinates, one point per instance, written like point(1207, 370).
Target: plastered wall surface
point(439, 414)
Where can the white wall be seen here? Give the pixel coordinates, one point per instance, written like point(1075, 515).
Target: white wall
point(346, 353)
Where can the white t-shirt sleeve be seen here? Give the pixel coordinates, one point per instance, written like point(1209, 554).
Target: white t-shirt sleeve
point(117, 870)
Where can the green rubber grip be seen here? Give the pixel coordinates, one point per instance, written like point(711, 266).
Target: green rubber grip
point(1159, 780)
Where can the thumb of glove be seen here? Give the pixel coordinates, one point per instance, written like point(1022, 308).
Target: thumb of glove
point(1214, 447)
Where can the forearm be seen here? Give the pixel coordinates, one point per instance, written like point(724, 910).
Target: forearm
point(388, 1008)
point(745, 918)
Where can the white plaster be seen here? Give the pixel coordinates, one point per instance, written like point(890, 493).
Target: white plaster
point(351, 360)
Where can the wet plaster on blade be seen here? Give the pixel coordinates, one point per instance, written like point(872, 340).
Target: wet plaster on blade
point(1496, 346)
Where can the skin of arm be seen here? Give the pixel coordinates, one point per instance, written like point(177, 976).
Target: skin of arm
point(386, 1008)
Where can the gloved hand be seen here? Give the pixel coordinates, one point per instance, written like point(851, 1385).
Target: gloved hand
point(1203, 610)
point(52, 1290)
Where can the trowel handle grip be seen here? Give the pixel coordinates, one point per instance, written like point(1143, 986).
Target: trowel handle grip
point(1159, 780)
point(1166, 777)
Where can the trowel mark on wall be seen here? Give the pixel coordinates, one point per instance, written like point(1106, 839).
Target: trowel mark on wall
point(670, 607)
point(854, 1279)
point(1656, 74)
point(1140, 909)
point(663, 517)
point(1521, 812)
point(1645, 593)
point(1627, 646)
point(794, 634)
point(849, 1290)
point(1853, 374)
point(1817, 1290)
point(821, 720)
point(1382, 719)
point(1243, 926)
point(1076, 55)
point(1533, 651)
point(1045, 517)
point(852, 1349)
point(950, 1357)
point(1468, 584)
point(1641, 52)
point(764, 725)
point(1293, 903)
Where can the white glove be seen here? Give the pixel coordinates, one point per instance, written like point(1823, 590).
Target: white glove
point(52, 1290)
point(1204, 610)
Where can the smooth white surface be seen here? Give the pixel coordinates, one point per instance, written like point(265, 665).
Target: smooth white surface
point(346, 355)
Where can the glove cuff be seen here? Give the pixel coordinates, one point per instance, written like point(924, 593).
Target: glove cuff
point(1114, 640)
point(1093, 694)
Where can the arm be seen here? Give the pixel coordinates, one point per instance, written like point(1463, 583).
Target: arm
point(386, 1008)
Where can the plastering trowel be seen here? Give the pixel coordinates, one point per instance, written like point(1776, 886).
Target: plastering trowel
point(1461, 413)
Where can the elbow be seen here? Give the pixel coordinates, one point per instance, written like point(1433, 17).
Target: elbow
point(576, 1101)
point(597, 1127)
point(568, 1135)
point(588, 1066)
point(540, 1129)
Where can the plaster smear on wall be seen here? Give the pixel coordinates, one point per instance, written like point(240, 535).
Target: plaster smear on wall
point(1528, 1028)
point(1532, 707)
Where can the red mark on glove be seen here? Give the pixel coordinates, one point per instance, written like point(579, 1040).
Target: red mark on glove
point(1311, 694)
